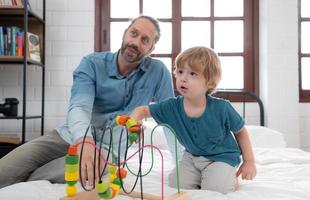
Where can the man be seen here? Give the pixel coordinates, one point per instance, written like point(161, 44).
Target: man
point(105, 84)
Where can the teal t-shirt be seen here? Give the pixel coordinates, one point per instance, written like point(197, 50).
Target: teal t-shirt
point(209, 135)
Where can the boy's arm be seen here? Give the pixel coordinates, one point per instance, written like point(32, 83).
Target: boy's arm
point(140, 112)
point(247, 169)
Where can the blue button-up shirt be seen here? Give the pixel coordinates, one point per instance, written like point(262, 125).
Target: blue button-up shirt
point(99, 93)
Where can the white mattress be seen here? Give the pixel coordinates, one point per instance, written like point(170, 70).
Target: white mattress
point(283, 174)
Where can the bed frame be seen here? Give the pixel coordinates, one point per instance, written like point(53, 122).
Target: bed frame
point(243, 97)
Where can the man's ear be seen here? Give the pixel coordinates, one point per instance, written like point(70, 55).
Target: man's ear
point(151, 49)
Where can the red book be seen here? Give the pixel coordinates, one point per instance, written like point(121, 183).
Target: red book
point(19, 43)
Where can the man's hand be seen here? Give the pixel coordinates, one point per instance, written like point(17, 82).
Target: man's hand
point(87, 161)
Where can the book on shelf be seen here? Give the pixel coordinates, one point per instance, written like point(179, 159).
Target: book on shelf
point(12, 43)
point(33, 47)
point(14, 3)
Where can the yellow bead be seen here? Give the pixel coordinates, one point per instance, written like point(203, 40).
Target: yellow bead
point(115, 187)
point(112, 177)
point(131, 122)
point(112, 169)
point(71, 190)
point(71, 176)
point(117, 119)
point(114, 192)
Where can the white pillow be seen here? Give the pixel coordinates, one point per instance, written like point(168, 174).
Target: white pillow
point(260, 136)
point(159, 138)
point(263, 137)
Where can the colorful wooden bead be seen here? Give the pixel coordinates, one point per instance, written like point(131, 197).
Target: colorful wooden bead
point(134, 129)
point(71, 176)
point(106, 195)
point(114, 190)
point(72, 150)
point(122, 120)
point(133, 137)
point(112, 177)
point(72, 159)
point(72, 168)
point(117, 181)
point(130, 122)
point(117, 119)
point(71, 190)
point(71, 182)
point(115, 187)
point(122, 172)
point(101, 186)
point(112, 169)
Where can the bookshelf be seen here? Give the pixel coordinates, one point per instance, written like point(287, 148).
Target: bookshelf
point(29, 22)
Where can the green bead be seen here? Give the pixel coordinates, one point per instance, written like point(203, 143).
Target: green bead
point(71, 182)
point(106, 195)
point(133, 137)
point(70, 160)
point(117, 181)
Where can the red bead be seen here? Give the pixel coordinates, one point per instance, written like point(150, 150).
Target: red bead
point(134, 129)
point(122, 172)
point(123, 119)
point(72, 150)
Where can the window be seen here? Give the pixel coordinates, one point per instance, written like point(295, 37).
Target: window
point(230, 27)
point(304, 51)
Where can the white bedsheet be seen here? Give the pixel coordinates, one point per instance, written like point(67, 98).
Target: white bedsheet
point(283, 174)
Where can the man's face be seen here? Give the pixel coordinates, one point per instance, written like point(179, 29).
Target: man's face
point(138, 40)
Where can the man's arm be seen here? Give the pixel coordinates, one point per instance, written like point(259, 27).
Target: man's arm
point(79, 117)
point(82, 100)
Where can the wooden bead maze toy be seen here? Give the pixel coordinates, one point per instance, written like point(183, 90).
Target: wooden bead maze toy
point(109, 189)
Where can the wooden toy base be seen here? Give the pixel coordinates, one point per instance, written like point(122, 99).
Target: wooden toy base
point(92, 195)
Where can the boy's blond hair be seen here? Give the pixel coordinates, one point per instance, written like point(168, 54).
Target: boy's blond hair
point(202, 59)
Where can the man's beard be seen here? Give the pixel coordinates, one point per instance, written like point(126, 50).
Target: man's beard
point(129, 56)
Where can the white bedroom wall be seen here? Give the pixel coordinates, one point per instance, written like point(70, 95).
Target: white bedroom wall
point(279, 66)
point(70, 35)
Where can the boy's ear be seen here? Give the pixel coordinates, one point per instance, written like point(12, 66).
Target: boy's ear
point(210, 85)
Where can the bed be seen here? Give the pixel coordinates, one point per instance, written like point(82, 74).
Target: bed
point(283, 173)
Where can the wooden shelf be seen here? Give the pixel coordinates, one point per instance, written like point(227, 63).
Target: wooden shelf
point(18, 60)
point(10, 138)
point(20, 117)
point(18, 11)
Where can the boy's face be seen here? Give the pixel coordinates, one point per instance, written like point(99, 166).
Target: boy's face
point(190, 83)
point(138, 40)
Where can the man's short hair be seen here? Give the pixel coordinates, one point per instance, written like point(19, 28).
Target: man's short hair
point(153, 21)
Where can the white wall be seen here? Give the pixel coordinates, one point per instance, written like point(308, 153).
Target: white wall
point(70, 35)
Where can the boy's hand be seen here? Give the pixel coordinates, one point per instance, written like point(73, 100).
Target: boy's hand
point(247, 170)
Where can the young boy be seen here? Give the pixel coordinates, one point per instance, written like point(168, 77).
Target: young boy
point(204, 126)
